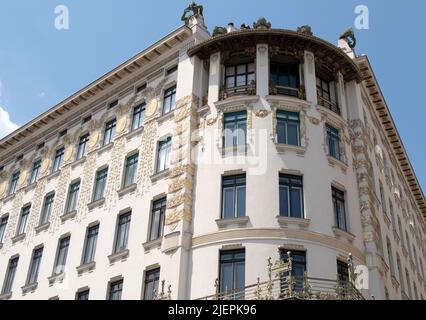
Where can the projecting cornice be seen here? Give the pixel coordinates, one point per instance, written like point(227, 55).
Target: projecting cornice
point(136, 63)
point(382, 111)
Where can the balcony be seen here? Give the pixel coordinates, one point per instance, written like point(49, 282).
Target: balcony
point(330, 105)
point(281, 90)
point(244, 90)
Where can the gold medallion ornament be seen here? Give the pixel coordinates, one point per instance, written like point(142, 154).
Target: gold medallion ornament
point(3, 186)
point(121, 124)
point(22, 178)
point(44, 166)
point(152, 107)
point(94, 137)
point(68, 153)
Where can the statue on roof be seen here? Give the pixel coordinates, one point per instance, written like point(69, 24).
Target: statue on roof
point(193, 10)
point(306, 29)
point(349, 37)
point(262, 23)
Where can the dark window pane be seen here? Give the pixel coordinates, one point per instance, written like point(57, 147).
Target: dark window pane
point(152, 279)
point(291, 196)
point(233, 197)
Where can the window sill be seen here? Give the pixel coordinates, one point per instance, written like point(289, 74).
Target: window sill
point(135, 133)
point(42, 227)
point(159, 176)
point(127, 190)
point(68, 216)
point(30, 187)
point(331, 116)
point(236, 101)
point(105, 148)
point(53, 175)
point(234, 151)
point(78, 162)
point(405, 252)
point(396, 236)
point(9, 197)
point(6, 296)
point(18, 238)
point(286, 221)
point(166, 117)
point(123, 255)
point(95, 204)
point(387, 219)
point(154, 244)
point(232, 223)
point(395, 282)
point(56, 278)
point(336, 162)
point(88, 267)
point(29, 287)
point(283, 148)
point(339, 233)
point(288, 101)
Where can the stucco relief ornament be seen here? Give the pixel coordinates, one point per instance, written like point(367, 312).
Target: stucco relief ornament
point(262, 23)
point(306, 29)
point(262, 113)
point(3, 186)
point(151, 95)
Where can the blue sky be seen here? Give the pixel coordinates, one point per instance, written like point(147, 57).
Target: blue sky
point(40, 66)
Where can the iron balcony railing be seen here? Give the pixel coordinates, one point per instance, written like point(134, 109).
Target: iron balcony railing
point(331, 105)
point(277, 89)
point(245, 90)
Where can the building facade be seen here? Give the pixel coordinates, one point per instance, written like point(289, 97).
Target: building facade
point(188, 170)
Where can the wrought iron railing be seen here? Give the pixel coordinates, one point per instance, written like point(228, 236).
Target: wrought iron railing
point(245, 90)
point(276, 89)
point(331, 105)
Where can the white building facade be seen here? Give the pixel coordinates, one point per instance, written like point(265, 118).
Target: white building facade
point(202, 157)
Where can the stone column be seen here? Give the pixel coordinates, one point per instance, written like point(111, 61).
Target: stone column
point(214, 78)
point(310, 77)
point(262, 70)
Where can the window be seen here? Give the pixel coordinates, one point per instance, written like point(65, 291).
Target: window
point(407, 239)
point(22, 223)
point(157, 219)
point(3, 225)
point(333, 141)
point(10, 275)
point(382, 198)
point(401, 276)
point(339, 209)
point(113, 104)
point(416, 293)
point(115, 290)
point(72, 197)
point(35, 171)
point(83, 146)
point(87, 119)
point(326, 92)
point(122, 236)
point(407, 277)
point(130, 170)
point(401, 235)
point(61, 258)
point(109, 132)
point(14, 182)
point(285, 78)
point(152, 279)
point(138, 116)
point(342, 272)
point(90, 247)
point(390, 257)
point(298, 267)
point(59, 158)
point(232, 274)
point(83, 295)
point(238, 77)
point(163, 157)
point(63, 133)
point(35, 266)
point(141, 88)
point(169, 102)
point(291, 196)
point(172, 70)
point(233, 197)
point(288, 128)
point(235, 129)
point(47, 209)
point(100, 183)
point(392, 214)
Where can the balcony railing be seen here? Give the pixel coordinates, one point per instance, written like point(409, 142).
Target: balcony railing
point(332, 106)
point(276, 89)
point(245, 90)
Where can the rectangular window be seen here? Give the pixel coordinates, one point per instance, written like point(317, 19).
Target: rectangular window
point(172, 70)
point(169, 102)
point(59, 158)
point(83, 295)
point(3, 225)
point(10, 275)
point(141, 88)
point(285, 79)
point(47, 209)
point(235, 129)
point(339, 209)
point(343, 277)
point(234, 197)
point(291, 196)
point(288, 128)
point(239, 77)
point(90, 247)
point(35, 171)
point(61, 258)
point(72, 197)
point(152, 279)
point(232, 274)
point(113, 104)
point(130, 170)
point(138, 116)
point(382, 198)
point(100, 183)
point(115, 290)
point(83, 146)
point(23, 219)
point(122, 236)
point(109, 133)
point(333, 141)
point(298, 267)
point(157, 219)
point(35, 266)
point(14, 182)
point(326, 93)
point(163, 156)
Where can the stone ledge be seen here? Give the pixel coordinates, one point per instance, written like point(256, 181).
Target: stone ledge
point(88, 267)
point(9, 197)
point(42, 227)
point(234, 150)
point(53, 175)
point(118, 256)
point(161, 175)
point(154, 244)
point(135, 132)
point(56, 278)
point(233, 223)
point(19, 237)
point(283, 148)
point(68, 216)
point(97, 203)
point(285, 221)
point(334, 118)
point(29, 287)
point(339, 233)
point(165, 117)
point(6, 296)
point(336, 162)
point(395, 282)
point(78, 162)
point(30, 187)
point(105, 148)
point(122, 192)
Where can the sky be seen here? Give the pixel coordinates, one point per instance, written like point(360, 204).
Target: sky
point(41, 66)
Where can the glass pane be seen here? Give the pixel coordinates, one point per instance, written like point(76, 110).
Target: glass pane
point(226, 277)
point(155, 225)
point(228, 203)
point(241, 69)
point(293, 134)
point(241, 134)
point(284, 201)
point(229, 134)
point(230, 82)
point(296, 203)
point(241, 201)
point(230, 71)
point(281, 132)
point(241, 80)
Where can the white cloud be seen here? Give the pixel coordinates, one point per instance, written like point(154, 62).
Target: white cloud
point(6, 125)
point(42, 94)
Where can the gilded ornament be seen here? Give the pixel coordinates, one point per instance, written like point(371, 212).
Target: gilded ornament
point(94, 137)
point(152, 107)
point(3, 187)
point(22, 178)
point(262, 113)
point(44, 166)
point(121, 124)
point(68, 153)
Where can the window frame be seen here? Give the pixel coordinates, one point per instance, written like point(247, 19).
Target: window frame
point(83, 146)
point(337, 196)
point(112, 291)
point(35, 171)
point(283, 116)
point(88, 239)
point(59, 258)
point(58, 159)
point(46, 213)
point(235, 75)
point(131, 161)
point(97, 184)
point(236, 119)
point(4, 221)
point(294, 182)
point(235, 186)
point(13, 184)
point(9, 277)
point(71, 192)
point(156, 272)
point(34, 268)
point(159, 229)
point(109, 132)
point(138, 116)
point(167, 150)
point(123, 247)
point(169, 100)
point(235, 260)
point(333, 135)
point(22, 224)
